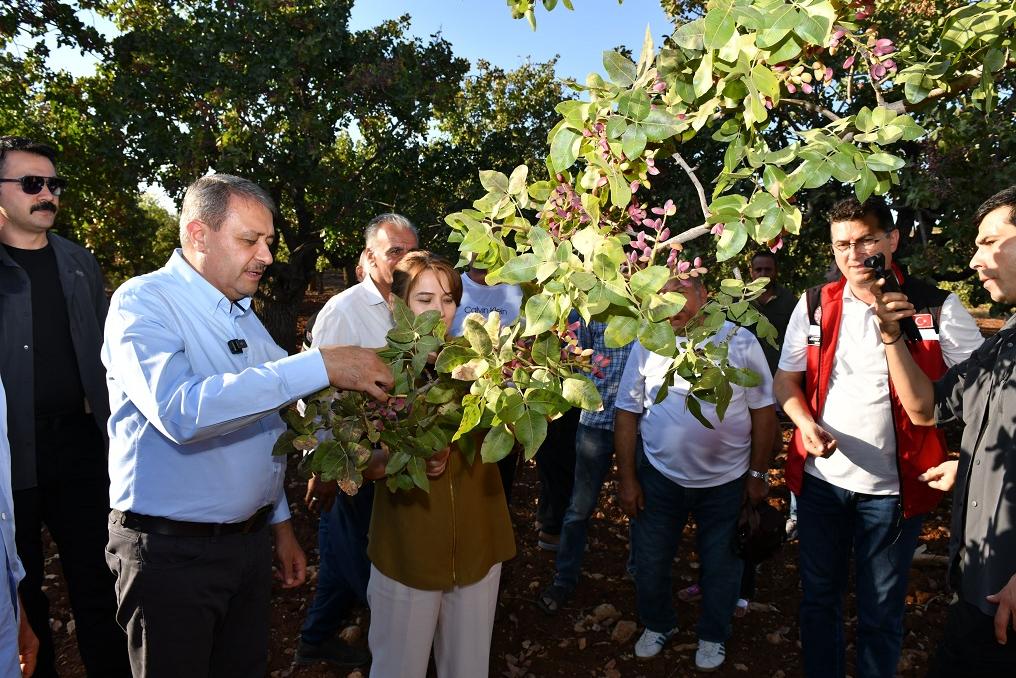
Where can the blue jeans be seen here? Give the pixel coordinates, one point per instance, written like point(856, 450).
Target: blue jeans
point(344, 568)
point(657, 534)
point(832, 522)
point(594, 450)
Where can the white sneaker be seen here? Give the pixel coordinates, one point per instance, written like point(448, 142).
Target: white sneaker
point(709, 655)
point(651, 642)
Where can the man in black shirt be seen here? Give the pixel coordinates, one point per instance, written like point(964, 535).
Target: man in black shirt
point(980, 392)
point(52, 310)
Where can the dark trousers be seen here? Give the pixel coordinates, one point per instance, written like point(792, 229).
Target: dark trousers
point(193, 607)
point(555, 465)
point(344, 568)
point(72, 500)
point(969, 648)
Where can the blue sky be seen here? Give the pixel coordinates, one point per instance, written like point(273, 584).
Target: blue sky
point(484, 29)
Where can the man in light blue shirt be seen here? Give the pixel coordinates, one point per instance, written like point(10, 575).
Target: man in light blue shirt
point(18, 645)
point(195, 384)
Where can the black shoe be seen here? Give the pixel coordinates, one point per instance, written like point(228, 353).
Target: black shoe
point(552, 598)
point(332, 651)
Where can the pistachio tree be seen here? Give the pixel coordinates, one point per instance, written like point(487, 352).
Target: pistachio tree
point(581, 237)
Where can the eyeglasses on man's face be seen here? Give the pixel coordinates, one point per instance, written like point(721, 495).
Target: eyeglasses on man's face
point(32, 185)
point(862, 245)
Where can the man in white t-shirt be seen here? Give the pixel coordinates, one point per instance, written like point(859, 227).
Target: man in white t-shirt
point(855, 458)
point(479, 297)
point(686, 468)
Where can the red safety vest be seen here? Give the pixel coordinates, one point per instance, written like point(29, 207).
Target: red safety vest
point(918, 448)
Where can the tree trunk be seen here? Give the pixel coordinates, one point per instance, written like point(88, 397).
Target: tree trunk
point(278, 300)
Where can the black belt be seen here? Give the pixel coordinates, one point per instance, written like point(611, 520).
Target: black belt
point(184, 528)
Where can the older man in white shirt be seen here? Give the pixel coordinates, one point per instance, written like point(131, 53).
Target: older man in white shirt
point(358, 316)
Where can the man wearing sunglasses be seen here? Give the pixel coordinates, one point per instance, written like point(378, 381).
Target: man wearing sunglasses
point(52, 310)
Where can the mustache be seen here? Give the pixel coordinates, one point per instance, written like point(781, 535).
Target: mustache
point(45, 205)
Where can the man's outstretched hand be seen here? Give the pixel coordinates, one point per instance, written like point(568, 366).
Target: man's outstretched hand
point(352, 368)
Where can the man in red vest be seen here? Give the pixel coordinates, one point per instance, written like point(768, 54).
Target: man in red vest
point(855, 458)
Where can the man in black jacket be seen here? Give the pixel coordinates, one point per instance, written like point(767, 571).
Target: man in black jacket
point(52, 310)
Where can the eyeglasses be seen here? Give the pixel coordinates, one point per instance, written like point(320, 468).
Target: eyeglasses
point(32, 185)
point(862, 245)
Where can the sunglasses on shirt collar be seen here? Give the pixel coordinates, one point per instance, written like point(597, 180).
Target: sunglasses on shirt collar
point(32, 185)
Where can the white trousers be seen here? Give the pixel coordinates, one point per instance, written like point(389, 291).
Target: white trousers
point(405, 623)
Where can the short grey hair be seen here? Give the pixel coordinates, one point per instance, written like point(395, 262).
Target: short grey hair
point(396, 220)
point(207, 200)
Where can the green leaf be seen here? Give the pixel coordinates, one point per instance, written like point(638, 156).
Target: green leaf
point(517, 181)
point(765, 80)
point(564, 149)
point(702, 82)
point(620, 69)
point(649, 280)
point(452, 356)
point(865, 185)
point(657, 337)
point(470, 416)
point(719, 25)
point(616, 125)
point(773, 178)
point(531, 431)
point(634, 105)
point(540, 314)
point(780, 21)
point(633, 142)
point(696, 410)
point(520, 269)
point(418, 472)
point(691, 35)
point(284, 443)
point(581, 392)
point(510, 406)
point(542, 243)
point(496, 444)
point(883, 162)
point(477, 336)
point(621, 330)
point(813, 28)
point(495, 182)
point(786, 50)
point(731, 241)
point(660, 125)
point(620, 190)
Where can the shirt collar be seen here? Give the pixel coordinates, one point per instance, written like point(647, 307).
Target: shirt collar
point(372, 291)
point(206, 293)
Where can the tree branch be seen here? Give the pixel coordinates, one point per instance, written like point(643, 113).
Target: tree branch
point(813, 107)
point(698, 184)
point(960, 84)
point(687, 236)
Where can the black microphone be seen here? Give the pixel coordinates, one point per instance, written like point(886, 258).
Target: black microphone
point(877, 262)
point(236, 346)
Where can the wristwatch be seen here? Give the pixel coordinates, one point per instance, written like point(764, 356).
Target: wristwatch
point(761, 475)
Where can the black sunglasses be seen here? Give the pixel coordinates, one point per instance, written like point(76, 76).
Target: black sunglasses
point(32, 185)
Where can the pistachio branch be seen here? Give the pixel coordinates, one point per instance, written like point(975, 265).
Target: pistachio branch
point(813, 107)
point(690, 171)
point(960, 84)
